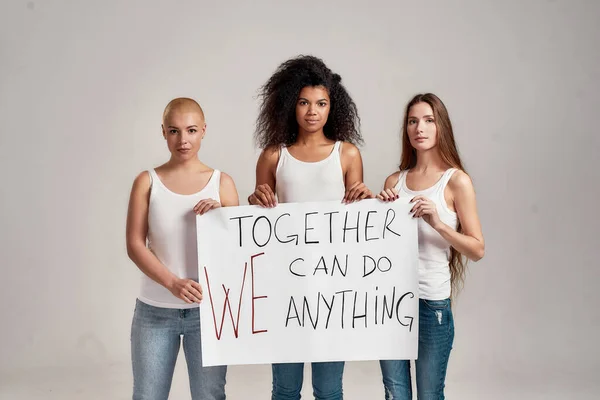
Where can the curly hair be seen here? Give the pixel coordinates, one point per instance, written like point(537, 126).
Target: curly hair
point(276, 123)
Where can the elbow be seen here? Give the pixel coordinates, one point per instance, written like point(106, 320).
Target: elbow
point(132, 250)
point(479, 253)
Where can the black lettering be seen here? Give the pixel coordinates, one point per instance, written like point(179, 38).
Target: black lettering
point(290, 237)
point(388, 262)
point(410, 324)
point(343, 292)
point(331, 224)
point(254, 231)
point(306, 308)
point(329, 307)
point(336, 262)
point(376, 304)
point(306, 228)
point(386, 225)
point(365, 265)
point(346, 228)
point(354, 316)
point(292, 303)
point(367, 226)
point(390, 313)
point(240, 225)
point(321, 260)
point(292, 263)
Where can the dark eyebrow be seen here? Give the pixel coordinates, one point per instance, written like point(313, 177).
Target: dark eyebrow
point(302, 98)
point(424, 116)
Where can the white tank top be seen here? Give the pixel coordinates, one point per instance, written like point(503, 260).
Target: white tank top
point(299, 181)
point(434, 250)
point(172, 237)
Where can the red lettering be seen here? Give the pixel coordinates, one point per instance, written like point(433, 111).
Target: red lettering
point(254, 331)
point(227, 306)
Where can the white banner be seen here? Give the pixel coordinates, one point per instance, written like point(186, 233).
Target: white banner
point(305, 282)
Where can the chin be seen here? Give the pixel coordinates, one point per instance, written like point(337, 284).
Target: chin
point(312, 128)
point(184, 157)
point(422, 146)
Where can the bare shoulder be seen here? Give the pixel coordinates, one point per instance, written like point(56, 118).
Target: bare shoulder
point(460, 182)
point(392, 180)
point(228, 191)
point(226, 180)
point(142, 181)
point(349, 150)
point(269, 157)
point(271, 153)
point(140, 191)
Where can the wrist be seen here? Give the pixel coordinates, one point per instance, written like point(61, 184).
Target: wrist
point(170, 282)
point(441, 228)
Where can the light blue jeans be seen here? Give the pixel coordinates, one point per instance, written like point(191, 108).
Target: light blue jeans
point(326, 380)
point(436, 335)
point(156, 336)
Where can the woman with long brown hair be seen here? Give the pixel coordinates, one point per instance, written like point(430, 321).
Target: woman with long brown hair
point(432, 176)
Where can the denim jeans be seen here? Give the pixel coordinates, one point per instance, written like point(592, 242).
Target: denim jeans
point(156, 336)
point(326, 380)
point(436, 335)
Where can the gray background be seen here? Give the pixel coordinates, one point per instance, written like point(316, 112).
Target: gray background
point(82, 89)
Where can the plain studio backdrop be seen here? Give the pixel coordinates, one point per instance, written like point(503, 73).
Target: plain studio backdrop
point(82, 89)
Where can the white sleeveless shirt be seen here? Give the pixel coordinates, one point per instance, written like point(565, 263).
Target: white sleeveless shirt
point(172, 237)
point(299, 181)
point(434, 250)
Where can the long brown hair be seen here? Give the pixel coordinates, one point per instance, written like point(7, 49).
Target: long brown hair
point(449, 154)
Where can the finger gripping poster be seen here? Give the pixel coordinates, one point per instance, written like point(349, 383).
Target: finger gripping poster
point(304, 282)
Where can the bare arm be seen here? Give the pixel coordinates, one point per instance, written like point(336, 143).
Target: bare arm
point(470, 242)
point(138, 252)
point(389, 192)
point(353, 174)
point(264, 193)
point(391, 181)
point(228, 192)
point(137, 231)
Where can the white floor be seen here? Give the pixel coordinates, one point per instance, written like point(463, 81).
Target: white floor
point(362, 380)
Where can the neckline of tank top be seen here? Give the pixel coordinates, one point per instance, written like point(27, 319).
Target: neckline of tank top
point(336, 148)
point(405, 186)
point(160, 182)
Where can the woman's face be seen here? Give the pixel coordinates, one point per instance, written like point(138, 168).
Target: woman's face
point(184, 131)
point(312, 108)
point(421, 127)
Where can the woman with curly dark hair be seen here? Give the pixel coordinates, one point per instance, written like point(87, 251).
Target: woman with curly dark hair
point(308, 128)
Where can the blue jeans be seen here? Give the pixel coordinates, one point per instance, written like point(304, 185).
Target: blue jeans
point(326, 380)
point(156, 335)
point(436, 335)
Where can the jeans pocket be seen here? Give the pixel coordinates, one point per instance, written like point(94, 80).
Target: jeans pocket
point(437, 304)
